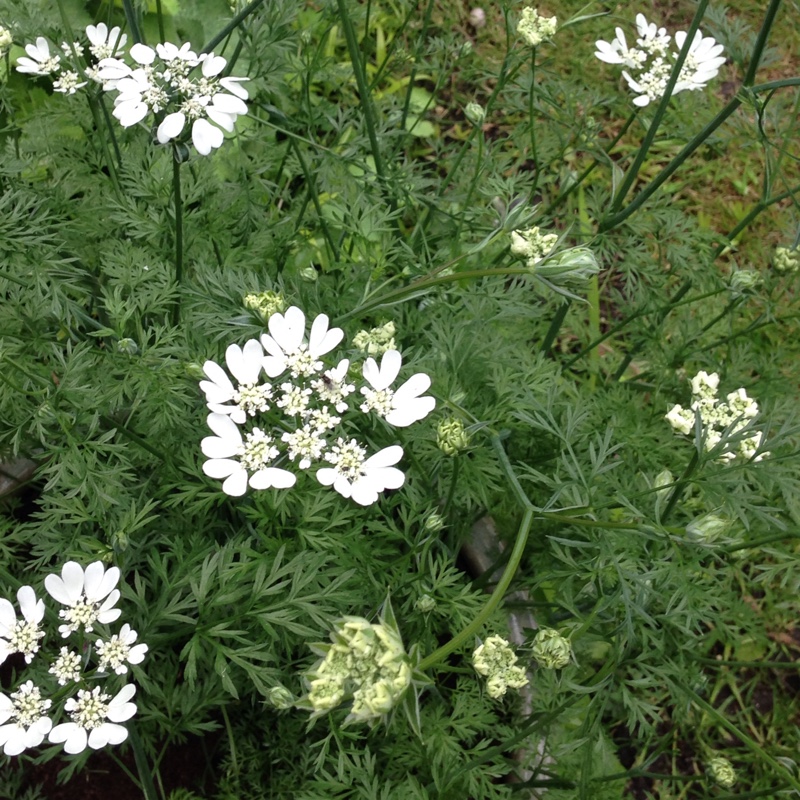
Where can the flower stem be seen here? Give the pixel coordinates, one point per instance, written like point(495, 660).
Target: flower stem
point(232, 25)
point(143, 768)
point(133, 21)
point(677, 490)
point(500, 589)
point(555, 325)
point(532, 123)
point(761, 42)
point(176, 192)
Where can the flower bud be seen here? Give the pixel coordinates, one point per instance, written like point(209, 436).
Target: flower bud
point(662, 481)
point(376, 341)
point(786, 259)
point(708, 528)
point(425, 603)
point(434, 522)
point(5, 40)
point(551, 650)
point(571, 267)
point(535, 29)
point(280, 697)
point(309, 274)
point(475, 113)
point(127, 346)
point(742, 280)
point(451, 436)
point(722, 772)
point(265, 304)
point(532, 245)
point(195, 371)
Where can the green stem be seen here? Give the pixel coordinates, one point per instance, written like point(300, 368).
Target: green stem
point(364, 94)
point(677, 490)
point(555, 325)
point(473, 184)
point(232, 25)
point(451, 493)
point(420, 38)
point(132, 19)
point(771, 86)
point(661, 110)
point(761, 42)
point(160, 16)
point(749, 664)
point(532, 123)
point(756, 543)
point(143, 768)
point(508, 573)
point(231, 742)
point(749, 743)
point(178, 202)
point(592, 293)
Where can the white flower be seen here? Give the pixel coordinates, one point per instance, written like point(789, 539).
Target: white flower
point(702, 61)
point(400, 407)
point(89, 596)
point(287, 348)
point(653, 39)
point(294, 400)
point(67, 83)
point(242, 461)
point(305, 442)
point(105, 43)
point(28, 724)
point(705, 385)
point(118, 650)
point(649, 85)
point(89, 714)
point(617, 52)
point(332, 387)
point(67, 667)
point(354, 475)
point(21, 636)
point(40, 61)
point(680, 419)
point(250, 396)
point(130, 106)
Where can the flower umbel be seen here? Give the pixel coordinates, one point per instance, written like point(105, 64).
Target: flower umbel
point(551, 650)
point(21, 635)
point(495, 660)
point(89, 596)
point(23, 723)
point(534, 29)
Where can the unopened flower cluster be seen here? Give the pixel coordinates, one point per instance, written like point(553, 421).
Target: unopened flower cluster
point(651, 60)
point(366, 663)
point(172, 81)
point(287, 411)
point(570, 267)
point(495, 660)
point(6, 40)
point(719, 418)
point(534, 29)
point(787, 259)
point(376, 341)
point(88, 598)
point(722, 772)
point(551, 650)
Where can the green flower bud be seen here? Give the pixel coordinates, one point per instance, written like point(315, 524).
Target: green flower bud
point(743, 280)
point(120, 541)
point(786, 259)
point(127, 346)
point(425, 603)
point(722, 772)
point(195, 371)
point(280, 697)
point(663, 482)
point(451, 436)
point(475, 113)
point(265, 304)
point(571, 267)
point(434, 522)
point(532, 245)
point(708, 528)
point(551, 650)
point(497, 661)
point(325, 694)
point(376, 341)
point(535, 29)
point(309, 274)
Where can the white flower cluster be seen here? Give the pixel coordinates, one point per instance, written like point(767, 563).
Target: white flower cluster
point(166, 81)
point(366, 662)
point(498, 663)
point(6, 40)
point(651, 60)
point(282, 384)
point(535, 29)
point(88, 598)
point(174, 82)
point(719, 418)
point(103, 43)
point(532, 245)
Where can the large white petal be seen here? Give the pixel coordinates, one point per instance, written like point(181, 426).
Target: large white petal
point(272, 477)
point(364, 492)
point(171, 126)
point(98, 34)
point(387, 457)
point(224, 428)
point(130, 112)
point(412, 388)
point(221, 467)
point(142, 54)
point(288, 329)
point(73, 736)
point(410, 411)
point(8, 617)
point(109, 580)
point(14, 740)
point(236, 484)
point(232, 85)
point(213, 65)
point(229, 104)
point(120, 708)
point(215, 448)
point(206, 137)
point(70, 585)
point(327, 476)
point(106, 734)
point(222, 119)
point(32, 610)
point(321, 340)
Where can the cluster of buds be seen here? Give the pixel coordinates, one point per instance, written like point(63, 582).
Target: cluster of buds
point(6, 40)
point(88, 598)
point(497, 662)
point(534, 29)
point(551, 650)
point(787, 259)
point(452, 437)
point(265, 304)
point(303, 416)
point(651, 60)
point(719, 418)
point(722, 772)
point(376, 341)
point(571, 267)
point(171, 82)
point(365, 663)
point(532, 245)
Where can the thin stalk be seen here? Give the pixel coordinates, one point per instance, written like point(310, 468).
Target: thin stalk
point(755, 543)
point(555, 325)
point(771, 86)
point(420, 37)
point(110, 127)
point(661, 110)
point(592, 293)
point(231, 742)
point(312, 190)
point(451, 492)
point(133, 22)
point(473, 184)
point(761, 42)
point(176, 192)
point(749, 743)
point(160, 16)
point(364, 94)
point(588, 171)
point(143, 768)
point(680, 484)
point(749, 664)
point(231, 26)
point(532, 123)
point(501, 588)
